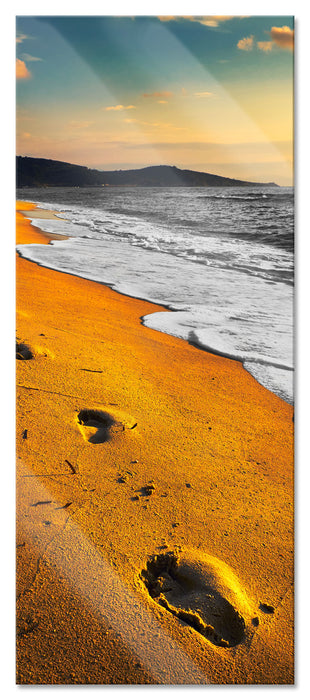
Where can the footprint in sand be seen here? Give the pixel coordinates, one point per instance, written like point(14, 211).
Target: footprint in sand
point(201, 591)
point(23, 352)
point(103, 423)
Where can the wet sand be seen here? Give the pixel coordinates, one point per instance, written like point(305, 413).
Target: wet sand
point(154, 498)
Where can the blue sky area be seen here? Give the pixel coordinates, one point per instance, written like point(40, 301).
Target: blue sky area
point(205, 92)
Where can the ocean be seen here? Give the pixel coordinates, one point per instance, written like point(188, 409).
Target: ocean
point(221, 259)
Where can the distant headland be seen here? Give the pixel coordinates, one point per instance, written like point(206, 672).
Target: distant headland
point(41, 172)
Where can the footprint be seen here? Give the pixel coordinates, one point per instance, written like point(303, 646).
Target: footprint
point(147, 490)
point(103, 423)
point(201, 591)
point(23, 352)
point(268, 609)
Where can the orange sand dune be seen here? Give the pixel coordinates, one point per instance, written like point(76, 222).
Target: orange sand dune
point(130, 444)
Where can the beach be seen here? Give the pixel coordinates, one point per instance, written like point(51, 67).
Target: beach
point(133, 444)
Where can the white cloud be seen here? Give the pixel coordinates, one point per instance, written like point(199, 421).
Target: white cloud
point(246, 44)
point(281, 37)
point(27, 57)
point(206, 20)
point(118, 108)
point(265, 46)
point(21, 37)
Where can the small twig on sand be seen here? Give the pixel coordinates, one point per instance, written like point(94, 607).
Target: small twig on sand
point(73, 469)
point(65, 506)
point(41, 503)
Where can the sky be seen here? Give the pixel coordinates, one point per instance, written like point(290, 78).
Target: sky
point(208, 93)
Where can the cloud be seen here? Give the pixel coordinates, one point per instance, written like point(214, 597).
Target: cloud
point(27, 57)
point(207, 21)
point(283, 37)
point(203, 94)
point(165, 93)
point(212, 20)
point(142, 123)
point(162, 102)
point(80, 125)
point(22, 72)
point(21, 37)
point(164, 125)
point(246, 44)
point(167, 18)
point(118, 108)
point(265, 45)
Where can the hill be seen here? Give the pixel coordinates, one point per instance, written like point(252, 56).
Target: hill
point(41, 172)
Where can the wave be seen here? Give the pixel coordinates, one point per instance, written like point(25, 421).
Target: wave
point(251, 196)
point(235, 197)
point(214, 248)
point(195, 338)
point(222, 308)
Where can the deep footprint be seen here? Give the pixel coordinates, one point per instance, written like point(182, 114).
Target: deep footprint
point(23, 352)
point(102, 421)
point(196, 590)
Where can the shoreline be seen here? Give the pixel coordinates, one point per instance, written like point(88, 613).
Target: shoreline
point(51, 214)
point(215, 445)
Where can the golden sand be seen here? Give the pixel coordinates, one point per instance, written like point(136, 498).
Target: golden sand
point(132, 443)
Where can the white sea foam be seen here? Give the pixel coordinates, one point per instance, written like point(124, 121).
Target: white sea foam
point(230, 294)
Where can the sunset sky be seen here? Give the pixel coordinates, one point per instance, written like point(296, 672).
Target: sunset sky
point(208, 93)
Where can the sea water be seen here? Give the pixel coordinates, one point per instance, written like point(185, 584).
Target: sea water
point(221, 259)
